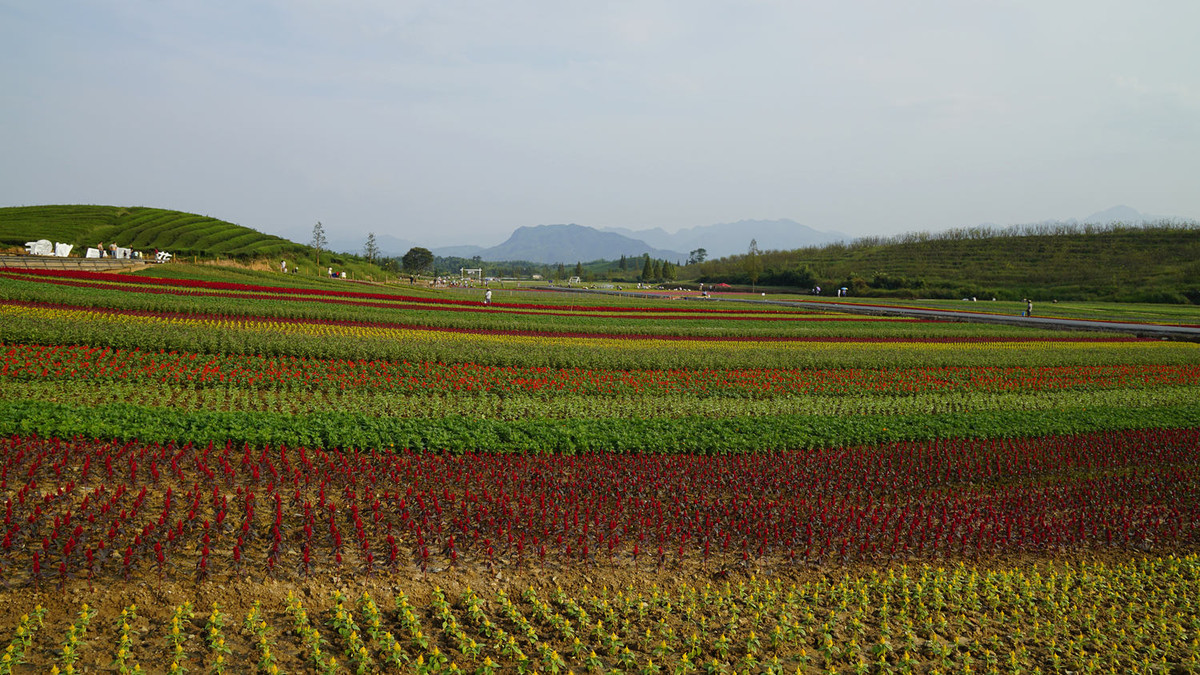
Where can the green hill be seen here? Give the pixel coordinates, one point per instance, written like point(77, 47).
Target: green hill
point(1156, 263)
point(184, 234)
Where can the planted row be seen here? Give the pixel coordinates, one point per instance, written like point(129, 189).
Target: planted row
point(42, 324)
point(1135, 616)
point(100, 510)
point(71, 362)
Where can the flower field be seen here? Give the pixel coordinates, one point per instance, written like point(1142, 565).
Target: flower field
point(216, 476)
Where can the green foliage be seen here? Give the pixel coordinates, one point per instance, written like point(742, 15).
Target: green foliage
point(417, 260)
point(371, 249)
point(462, 434)
point(752, 263)
point(1144, 264)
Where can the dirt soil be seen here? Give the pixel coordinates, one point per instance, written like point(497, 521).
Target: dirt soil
point(157, 600)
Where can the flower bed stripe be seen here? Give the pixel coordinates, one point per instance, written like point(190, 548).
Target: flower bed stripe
point(461, 434)
point(69, 362)
point(345, 328)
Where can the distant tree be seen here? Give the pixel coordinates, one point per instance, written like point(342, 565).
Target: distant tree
point(668, 271)
point(560, 272)
point(371, 250)
point(579, 269)
point(752, 263)
point(623, 262)
point(417, 260)
point(656, 270)
point(648, 270)
point(697, 256)
point(318, 241)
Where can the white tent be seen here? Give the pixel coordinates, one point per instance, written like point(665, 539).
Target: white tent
point(39, 247)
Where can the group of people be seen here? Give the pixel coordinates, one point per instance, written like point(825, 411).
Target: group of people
point(115, 251)
point(111, 250)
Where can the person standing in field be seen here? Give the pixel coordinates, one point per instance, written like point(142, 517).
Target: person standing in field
point(1028, 307)
point(487, 297)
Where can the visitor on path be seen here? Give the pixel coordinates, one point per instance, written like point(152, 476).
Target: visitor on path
point(487, 297)
point(1028, 307)
point(283, 266)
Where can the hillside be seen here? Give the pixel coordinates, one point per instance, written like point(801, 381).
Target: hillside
point(140, 228)
point(1159, 263)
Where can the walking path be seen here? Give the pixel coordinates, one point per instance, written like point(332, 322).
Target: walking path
point(39, 262)
point(1166, 332)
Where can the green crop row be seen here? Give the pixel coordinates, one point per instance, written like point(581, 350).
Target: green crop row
point(693, 434)
point(570, 406)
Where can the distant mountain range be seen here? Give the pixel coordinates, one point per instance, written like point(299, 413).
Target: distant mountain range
point(734, 238)
point(572, 243)
point(565, 244)
point(579, 243)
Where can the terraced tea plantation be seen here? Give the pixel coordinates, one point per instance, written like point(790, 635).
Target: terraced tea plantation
point(215, 476)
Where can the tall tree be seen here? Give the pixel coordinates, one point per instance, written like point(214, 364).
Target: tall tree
point(417, 260)
point(622, 265)
point(318, 242)
point(579, 269)
point(371, 250)
point(668, 271)
point(697, 256)
point(752, 263)
point(648, 270)
point(656, 271)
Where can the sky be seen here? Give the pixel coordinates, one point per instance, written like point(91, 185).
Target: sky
point(457, 121)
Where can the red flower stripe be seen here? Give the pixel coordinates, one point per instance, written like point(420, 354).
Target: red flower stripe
point(107, 510)
point(37, 362)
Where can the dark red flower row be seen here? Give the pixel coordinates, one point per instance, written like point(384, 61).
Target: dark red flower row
point(60, 362)
point(106, 509)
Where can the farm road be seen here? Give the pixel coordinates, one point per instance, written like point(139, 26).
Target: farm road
point(1185, 333)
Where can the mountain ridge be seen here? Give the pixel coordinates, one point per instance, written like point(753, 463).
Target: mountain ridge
point(723, 239)
point(571, 243)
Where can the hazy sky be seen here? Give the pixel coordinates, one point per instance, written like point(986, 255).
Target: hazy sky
point(456, 121)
